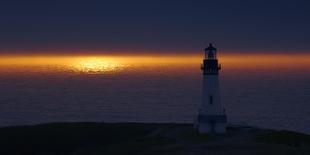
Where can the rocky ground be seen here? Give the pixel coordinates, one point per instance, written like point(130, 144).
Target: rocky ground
point(147, 138)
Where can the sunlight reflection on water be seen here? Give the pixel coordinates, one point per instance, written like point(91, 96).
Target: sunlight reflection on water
point(96, 65)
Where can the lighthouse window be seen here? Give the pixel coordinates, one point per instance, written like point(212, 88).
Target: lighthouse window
point(211, 99)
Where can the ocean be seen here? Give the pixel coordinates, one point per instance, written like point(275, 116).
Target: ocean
point(267, 93)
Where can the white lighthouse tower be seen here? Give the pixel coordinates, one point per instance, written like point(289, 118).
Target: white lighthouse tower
point(211, 117)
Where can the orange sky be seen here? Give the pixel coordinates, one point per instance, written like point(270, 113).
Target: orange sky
point(110, 62)
point(260, 58)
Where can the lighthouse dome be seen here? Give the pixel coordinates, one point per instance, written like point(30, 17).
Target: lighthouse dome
point(210, 48)
point(210, 52)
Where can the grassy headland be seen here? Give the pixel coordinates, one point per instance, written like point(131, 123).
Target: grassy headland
point(145, 138)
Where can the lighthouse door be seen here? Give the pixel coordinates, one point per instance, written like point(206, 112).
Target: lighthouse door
point(211, 99)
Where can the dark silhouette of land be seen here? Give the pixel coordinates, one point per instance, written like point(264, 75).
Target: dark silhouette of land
point(146, 138)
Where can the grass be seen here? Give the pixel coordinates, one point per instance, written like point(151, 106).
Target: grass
point(144, 138)
point(284, 137)
point(68, 138)
point(196, 137)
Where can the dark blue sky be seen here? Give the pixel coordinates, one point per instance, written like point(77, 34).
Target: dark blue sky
point(232, 25)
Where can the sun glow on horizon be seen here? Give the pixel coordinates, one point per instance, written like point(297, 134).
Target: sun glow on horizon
point(111, 63)
point(96, 65)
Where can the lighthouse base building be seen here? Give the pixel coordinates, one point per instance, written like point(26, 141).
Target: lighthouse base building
point(211, 117)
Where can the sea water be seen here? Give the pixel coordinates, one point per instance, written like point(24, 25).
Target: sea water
point(274, 97)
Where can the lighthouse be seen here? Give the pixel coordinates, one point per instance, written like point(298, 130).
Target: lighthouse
point(211, 117)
